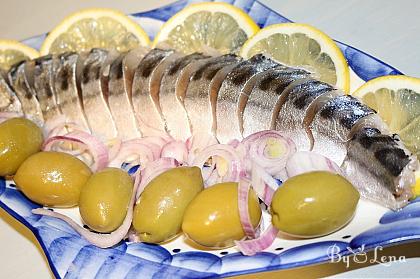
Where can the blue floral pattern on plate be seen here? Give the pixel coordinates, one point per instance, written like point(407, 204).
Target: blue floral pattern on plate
point(70, 256)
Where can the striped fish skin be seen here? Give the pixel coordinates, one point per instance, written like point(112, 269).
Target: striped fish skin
point(19, 83)
point(67, 88)
point(380, 167)
point(332, 126)
point(9, 102)
point(43, 86)
point(226, 101)
point(297, 106)
point(256, 104)
point(95, 101)
point(196, 98)
point(149, 118)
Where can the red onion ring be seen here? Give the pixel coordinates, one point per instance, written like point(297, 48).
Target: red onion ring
point(253, 246)
point(255, 147)
point(263, 183)
point(97, 239)
point(228, 153)
point(307, 161)
point(197, 142)
point(97, 149)
point(175, 149)
point(243, 193)
point(145, 151)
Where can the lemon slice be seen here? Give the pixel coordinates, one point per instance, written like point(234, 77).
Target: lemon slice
point(397, 100)
point(90, 28)
point(304, 46)
point(204, 26)
point(12, 52)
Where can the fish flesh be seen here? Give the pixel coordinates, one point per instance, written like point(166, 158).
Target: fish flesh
point(161, 92)
point(296, 108)
point(67, 88)
point(95, 100)
point(175, 81)
point(196, 98)
point(380, 167)
point(27, 97)
point(224, 101)
point(256, 104)
point(9, 102)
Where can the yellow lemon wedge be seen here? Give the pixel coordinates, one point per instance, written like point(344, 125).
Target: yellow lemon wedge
point(302, 45)
point(91, 28)
point(207, 26)
point(12, 52)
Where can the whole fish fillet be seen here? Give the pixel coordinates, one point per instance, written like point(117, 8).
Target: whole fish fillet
point(67, 88)
point(95, 100)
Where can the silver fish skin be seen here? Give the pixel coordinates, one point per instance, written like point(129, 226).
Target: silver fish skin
point(95, 100)
point(9, 102)
point(42, 83)
point(174, 82)
point(120, 96)
point(18, 81)
point(380, 167)
point(67, 89)
point(227, 126)
point(196, 98)
point(332, 125)
point(146, 85)
point(297, 106)
point(257, 103)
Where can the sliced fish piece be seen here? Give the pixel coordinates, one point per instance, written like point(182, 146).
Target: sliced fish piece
point(146, 85)
point(196, 98)
point(42, 83)
point(67, 88)
point(297, 106)
point(380, 167)
point(225, 101)
point(332, 125)
point(95, 100)
point(175, 82)
point(18, 81)
point(9, 102)
point(257, 103)
point(120, 92)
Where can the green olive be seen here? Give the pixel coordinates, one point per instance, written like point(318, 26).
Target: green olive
point(19, 139)
point(52, 178)
point(212, 218)
point(105, 198)
point(313, 204)
point(159, 211)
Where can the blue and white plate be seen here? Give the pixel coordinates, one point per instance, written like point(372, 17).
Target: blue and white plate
point(70, 256)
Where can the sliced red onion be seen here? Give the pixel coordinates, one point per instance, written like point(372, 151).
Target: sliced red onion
point(306, 161)
point(253, 246)
point(97, 149)
point(153, 169)
point(257, 148)
point(98, 239)
point(197, 142)
point(224, 158)
point(136, 151)
point(243, 193)
point(263, 183)
point(175, 149)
